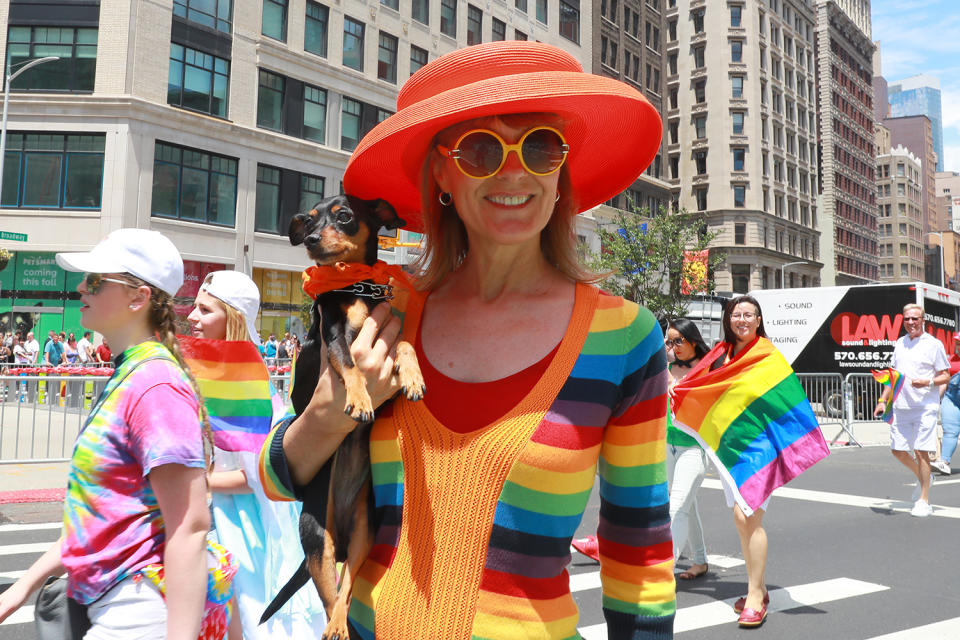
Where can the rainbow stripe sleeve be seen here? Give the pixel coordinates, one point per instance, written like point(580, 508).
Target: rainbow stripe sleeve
point(636, 549)
point(272, 465)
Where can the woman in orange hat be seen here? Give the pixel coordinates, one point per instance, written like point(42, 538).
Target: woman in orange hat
point(536, 379)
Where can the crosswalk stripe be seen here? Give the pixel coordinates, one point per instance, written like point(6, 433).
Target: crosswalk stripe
point(848, 500)
point(16, 549)
point(943, 630)
point(10, 576)
point(724, 562)
point(22, 615)
point(721, 612)
point(39, 526)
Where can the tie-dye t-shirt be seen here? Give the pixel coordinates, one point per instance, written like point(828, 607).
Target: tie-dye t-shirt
point(112, 521)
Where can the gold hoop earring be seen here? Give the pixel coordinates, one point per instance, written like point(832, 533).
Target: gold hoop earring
point(448, 201)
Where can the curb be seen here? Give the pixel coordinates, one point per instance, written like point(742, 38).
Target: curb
point(32, 495)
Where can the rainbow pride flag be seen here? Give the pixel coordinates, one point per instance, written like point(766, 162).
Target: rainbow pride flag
point(894, 379)
point(235, 385)
point(752, 418)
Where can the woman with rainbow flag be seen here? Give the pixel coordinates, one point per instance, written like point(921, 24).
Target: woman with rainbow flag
point(135, 517)
point(243, 406)
point(744, 405)
point(535, 379)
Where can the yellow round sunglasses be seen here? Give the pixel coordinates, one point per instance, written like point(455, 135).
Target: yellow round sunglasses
point(481, 153)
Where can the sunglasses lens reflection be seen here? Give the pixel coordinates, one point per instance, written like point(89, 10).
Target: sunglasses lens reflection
point(542, 151)
point(480, 154)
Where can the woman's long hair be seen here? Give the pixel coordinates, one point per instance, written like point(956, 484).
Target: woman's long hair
point(728, 335)
point(686, 328)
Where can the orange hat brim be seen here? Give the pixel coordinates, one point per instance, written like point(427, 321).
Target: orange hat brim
point(613, 132)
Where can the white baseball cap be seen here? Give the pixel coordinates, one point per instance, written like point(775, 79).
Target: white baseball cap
point(236, 289)
point(148, 255)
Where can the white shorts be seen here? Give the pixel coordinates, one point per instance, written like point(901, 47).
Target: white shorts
point(131, 610)
point(914, 430)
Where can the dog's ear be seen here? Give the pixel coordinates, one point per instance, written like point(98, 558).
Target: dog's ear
point(299, 227)
point(386, 214)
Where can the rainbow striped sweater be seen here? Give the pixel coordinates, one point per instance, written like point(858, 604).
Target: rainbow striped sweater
point(474, 529)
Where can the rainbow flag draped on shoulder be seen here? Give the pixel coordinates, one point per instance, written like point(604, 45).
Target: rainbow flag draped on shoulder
point(753, 419)
point(894, 379)
point(235, 385)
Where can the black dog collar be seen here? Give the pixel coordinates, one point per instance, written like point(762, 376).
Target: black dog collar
point(366, 289)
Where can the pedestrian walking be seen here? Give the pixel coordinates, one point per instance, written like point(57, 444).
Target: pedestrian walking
point(950, 413)
point(263, 535)
point(135, 518)
point(535, 379)
point(922, 359)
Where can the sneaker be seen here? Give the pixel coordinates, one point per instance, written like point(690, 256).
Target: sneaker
point(940, 467)
point(588, 546)
point(916, 490)
point(921, 509)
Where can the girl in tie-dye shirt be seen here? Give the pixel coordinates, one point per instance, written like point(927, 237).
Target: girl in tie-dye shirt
point(135, 518)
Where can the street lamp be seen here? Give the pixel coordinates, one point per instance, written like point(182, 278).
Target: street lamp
point(27, 64)
point(939, 235)
point(783, 281)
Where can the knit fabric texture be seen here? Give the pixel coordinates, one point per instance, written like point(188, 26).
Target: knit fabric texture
point(474, 529)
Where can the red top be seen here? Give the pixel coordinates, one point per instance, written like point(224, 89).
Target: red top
point(446, 397)
point(954, 364)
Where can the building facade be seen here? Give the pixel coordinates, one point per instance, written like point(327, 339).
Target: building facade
point(920, 96)
point(629, 38)
point(741, 135)
point(948, 200)
point(900, 213)
point(213, 122)
point(916, 134)
point(844, 53)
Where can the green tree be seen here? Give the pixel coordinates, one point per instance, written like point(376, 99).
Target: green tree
point(645, 256)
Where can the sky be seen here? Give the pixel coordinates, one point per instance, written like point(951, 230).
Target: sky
point(923, 36)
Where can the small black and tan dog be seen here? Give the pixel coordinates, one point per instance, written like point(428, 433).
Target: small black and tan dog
point(337, 521)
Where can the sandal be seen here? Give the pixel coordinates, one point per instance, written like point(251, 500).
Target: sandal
point(690, 575)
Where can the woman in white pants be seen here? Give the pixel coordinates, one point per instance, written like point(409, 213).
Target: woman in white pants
point(686, 461)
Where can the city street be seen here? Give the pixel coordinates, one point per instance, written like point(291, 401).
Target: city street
point(847, 561)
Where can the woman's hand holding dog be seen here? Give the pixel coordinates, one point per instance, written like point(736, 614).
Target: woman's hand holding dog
point(316, 434)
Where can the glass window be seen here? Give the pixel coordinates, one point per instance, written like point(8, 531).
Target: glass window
point(352, 43)
point(519, 35)
point(216, 14)
point(53, 170)
point(190, 184)
point(736, 15)
point(700, 157)
point(420, 11)
point(315, 31)
point(198, 81)
point(387, 58)
point(498, 30)
point(700, 124)
point(697, 16)
point(474, 25)
point(741, 277)
point(448, 18)
point(314, 113)
point(736, 51)
point(739, 230)
point(74, 71)
point(275, 19)
point(311, 191)
point(570, 20)
point(350, 124)
point(393, 4)
point(542, 11)
point(267, 213)
point(270, 101)
point(738, 159)
point(739, 198)
point(701, 195)
point(699, 57)
point(520, 4)
point(736, 83)
point(700, 91)
point(418, 58)
point(737, 123)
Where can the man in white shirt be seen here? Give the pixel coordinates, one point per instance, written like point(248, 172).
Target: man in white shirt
point(923, 362)
point(85, 349)
point(32, 347)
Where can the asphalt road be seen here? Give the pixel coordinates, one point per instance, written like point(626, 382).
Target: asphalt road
point(847, 561)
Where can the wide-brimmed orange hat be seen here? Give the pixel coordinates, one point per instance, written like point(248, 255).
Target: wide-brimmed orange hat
point(613, 132)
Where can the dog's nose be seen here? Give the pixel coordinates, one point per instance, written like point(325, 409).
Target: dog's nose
point(311, 240)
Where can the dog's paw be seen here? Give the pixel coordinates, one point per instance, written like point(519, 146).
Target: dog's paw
point(359, 406)
point(337, 626)
point(411, 383)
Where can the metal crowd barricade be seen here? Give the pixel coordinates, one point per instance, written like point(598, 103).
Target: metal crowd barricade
point(861, 393)
point(826, 394)
point(41, 415)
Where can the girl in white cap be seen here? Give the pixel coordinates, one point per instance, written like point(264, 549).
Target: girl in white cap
point(260, 533)
point(134, 542)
